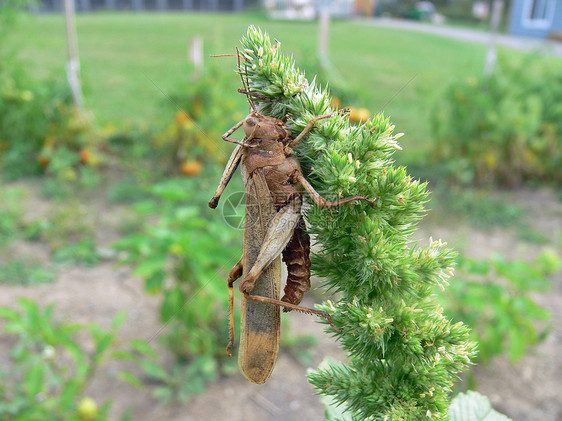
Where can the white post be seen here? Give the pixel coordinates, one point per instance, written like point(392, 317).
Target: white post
point(196, 56)
point(323, 35)
point(73, 65)
point(497, 8)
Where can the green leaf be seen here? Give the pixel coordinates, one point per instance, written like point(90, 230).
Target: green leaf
point(118, 319)
point(517, 344)
point(154, 282)
point(334, 412)
point(69, 392)
point(80, 357)
point(473, 406)
point(150, 265)
point(162, 393)
point(173, 303)
point(130, 378)
point(9, 313)
point(143, 347)
point(103, 342)
point(154, 370)
point(33, 381)
point(121, 354)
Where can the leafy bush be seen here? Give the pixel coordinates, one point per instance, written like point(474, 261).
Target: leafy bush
point(50, 370)
point(494, 297)
point(24, 272)
point(504, 128)
point(27, 109)
point(182, 251)
point(10, 213)
point(68, 232)
point(41, 131)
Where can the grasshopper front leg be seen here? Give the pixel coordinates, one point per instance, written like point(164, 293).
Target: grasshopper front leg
point(229, 170)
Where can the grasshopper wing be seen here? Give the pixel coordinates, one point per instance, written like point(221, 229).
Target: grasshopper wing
point(261, 324)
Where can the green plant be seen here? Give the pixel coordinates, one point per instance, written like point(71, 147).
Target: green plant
point(182, 380)
point(495, 298)
point(503, 128)
point(482, 208)
point(181, 251)
point(41, 131)
point(72, 151)
point(10, 213)
point(403, 353)
point(472, 406)
point(50, 370)
point(27, 110)
point(69, 233)
point(24, 272)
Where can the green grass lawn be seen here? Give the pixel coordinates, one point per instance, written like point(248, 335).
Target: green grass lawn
point(398, 72)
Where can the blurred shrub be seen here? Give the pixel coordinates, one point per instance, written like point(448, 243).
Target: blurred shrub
point(41, 131)
point(200, 112)
point(11, 209)
point(183, 251)
point(481, 207)
point(504, 128)
point(27, 108)
point(69, 233)
point(50, 370)
point(22, 271)
point(495, 298)
point(206, 108)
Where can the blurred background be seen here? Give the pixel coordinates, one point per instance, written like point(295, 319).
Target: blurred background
point(112, 267)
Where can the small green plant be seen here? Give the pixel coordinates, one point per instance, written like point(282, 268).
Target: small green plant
point(504, 128)
point(10, 213)
point(482, 208)
point(183, 380)
point(69, 233)
point(27, 110)
point(494, 297)
point(50, 370)
point(22, 271)
point(182, 254)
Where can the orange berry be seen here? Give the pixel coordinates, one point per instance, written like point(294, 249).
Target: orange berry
point(85, 156)
point(358, 115)
point(182, 117)
point(191, 168)
point(43, 160)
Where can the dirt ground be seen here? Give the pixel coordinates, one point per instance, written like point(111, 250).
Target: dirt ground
point(527, 390)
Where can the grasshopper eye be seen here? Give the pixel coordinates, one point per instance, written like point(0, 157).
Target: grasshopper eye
point(251, 121)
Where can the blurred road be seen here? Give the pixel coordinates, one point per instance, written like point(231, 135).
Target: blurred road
point(472, 35)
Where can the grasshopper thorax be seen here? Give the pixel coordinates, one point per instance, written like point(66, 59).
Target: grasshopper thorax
point(258, 126)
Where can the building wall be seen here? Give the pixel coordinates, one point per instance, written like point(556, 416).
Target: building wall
point(138, 5)
point(521, 24)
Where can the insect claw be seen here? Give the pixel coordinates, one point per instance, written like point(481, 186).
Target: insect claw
point(213, 202)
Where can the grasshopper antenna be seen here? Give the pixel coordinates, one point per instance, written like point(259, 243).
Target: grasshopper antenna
point(246, 83)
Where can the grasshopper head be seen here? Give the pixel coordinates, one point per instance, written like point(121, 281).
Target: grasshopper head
point(258, 126)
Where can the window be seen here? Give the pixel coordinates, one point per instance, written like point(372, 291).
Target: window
point(538, 13)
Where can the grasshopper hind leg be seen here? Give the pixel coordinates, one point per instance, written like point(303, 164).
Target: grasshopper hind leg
point(235, 273)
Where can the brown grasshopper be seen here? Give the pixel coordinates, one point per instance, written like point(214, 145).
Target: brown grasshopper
point(273, 226)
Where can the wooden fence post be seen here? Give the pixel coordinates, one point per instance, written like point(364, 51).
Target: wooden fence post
point(73, 65)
